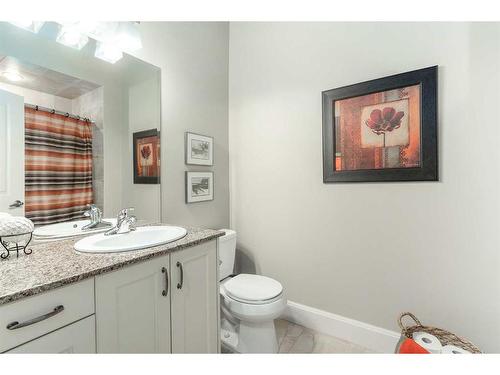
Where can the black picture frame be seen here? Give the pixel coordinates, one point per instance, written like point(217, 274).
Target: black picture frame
point(136, 137)
point(428, 169)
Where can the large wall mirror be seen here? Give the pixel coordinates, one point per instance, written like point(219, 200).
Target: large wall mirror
point(76, 130)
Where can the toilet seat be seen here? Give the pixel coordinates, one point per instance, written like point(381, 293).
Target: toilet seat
point(253, 289)
point(253, 312)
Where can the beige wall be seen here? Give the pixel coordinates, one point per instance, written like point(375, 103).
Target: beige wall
point(39, 98)
point(143, 114)
point(193, 57)
point(369, 251)
point(91, 106)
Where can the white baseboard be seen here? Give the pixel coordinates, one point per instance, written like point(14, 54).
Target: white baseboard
point(378, 339)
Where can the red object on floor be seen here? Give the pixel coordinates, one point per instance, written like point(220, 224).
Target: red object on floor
point(411, 347)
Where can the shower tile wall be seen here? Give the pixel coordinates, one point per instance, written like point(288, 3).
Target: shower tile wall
point(90, 105)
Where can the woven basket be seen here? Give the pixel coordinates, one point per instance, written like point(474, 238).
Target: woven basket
point(446, 338)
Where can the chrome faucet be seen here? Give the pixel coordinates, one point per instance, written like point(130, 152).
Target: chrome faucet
point(95, 215)
point(124, 222)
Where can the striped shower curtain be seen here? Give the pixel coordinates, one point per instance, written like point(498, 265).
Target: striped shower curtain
point(58, 161)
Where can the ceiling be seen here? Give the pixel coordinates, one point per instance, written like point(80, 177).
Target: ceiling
point(44, 80)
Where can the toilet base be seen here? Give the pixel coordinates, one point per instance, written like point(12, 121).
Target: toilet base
point(229, 336)
point(257, 337)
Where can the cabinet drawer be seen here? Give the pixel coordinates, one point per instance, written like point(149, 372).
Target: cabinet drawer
point(78, 337)
point(77, 301)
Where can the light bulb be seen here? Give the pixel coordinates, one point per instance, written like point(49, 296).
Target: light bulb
point(108, 52)
point(128, 36)
point(72, 37)
point(102, 31)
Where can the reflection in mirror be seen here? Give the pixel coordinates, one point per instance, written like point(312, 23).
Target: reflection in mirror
point(67, 123)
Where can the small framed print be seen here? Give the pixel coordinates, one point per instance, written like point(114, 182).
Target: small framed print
point(199, 149)
point(382, 130)
point(146, 149)
point(199, 186)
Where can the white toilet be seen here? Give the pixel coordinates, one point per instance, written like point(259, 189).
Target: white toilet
point(249, 304)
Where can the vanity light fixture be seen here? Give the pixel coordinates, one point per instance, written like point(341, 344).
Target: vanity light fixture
point(71, 36)
point(12, 75)
point(88, 27)
point(100, 31)
point(112, 38)
point(33, 26)
point(128, 36)
point(108, 52)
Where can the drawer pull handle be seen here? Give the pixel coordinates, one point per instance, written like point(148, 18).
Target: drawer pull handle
point(179, 285)
point(165, 291)
point(16, 325)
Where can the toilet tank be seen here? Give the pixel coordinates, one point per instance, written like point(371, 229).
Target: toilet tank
point(227, 252)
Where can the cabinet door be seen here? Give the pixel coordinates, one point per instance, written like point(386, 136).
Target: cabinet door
point(133, 308)
point(195, 293)
point(78, 337)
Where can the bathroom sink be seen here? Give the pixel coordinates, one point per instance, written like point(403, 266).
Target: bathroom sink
point(69, 229)
point(141, 238)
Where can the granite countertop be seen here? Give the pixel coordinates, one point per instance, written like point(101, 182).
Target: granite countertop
point(55, 264)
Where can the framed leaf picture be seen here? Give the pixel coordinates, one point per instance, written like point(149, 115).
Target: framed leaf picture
point(146, 150)
point(382, 130)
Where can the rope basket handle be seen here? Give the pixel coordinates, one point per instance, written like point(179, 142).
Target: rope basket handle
point(400, 320)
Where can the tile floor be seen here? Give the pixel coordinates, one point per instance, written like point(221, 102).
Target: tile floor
point(295, 339)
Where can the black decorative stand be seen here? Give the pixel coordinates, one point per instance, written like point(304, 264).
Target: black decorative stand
point(10, 246)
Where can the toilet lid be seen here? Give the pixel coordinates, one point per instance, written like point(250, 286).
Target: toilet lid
point(247, 287)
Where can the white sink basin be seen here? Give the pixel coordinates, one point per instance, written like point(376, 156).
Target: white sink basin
point(69, 229)
point(141, 238)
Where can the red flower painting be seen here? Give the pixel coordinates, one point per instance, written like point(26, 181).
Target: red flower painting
point(376, 131)
point(146, 152)
point(384, 121)
point(146, 145)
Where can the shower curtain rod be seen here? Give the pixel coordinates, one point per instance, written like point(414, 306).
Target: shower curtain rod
point(51, 110)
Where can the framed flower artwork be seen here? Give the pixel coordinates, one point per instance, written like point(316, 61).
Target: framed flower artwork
point(146, 150)
point(382, 130)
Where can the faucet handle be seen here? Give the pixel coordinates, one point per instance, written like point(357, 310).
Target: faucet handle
point(126, 211)
point(125, 222)
point(90, 207)
point(132, 221)
point(127, 225)
point(123, 215)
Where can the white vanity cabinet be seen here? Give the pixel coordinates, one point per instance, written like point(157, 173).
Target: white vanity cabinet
point(168, 304)
point(133, 308)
